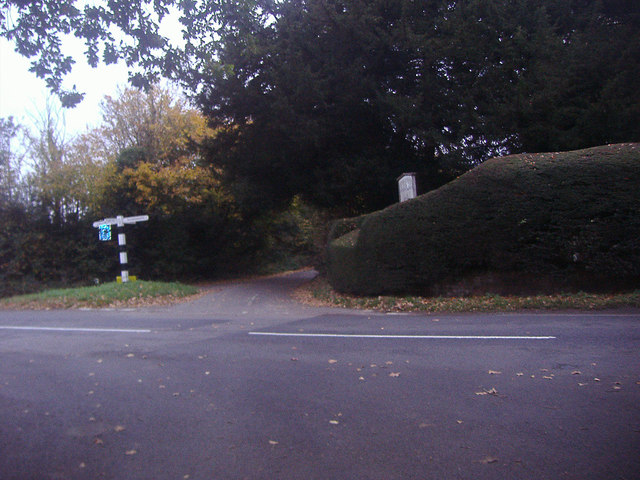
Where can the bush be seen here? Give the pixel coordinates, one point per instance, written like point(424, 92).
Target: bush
point(529, 223)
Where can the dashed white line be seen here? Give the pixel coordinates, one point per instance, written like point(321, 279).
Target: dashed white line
point(69, 329)
point(420, 337)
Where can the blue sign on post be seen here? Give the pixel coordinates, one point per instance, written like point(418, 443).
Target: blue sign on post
point(104, 233)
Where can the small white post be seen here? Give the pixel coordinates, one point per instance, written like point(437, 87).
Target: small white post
point(407, 186)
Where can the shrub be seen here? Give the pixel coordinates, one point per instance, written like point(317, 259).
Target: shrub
point(518, 224)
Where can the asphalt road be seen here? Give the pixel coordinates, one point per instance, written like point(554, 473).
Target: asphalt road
point(245, 383)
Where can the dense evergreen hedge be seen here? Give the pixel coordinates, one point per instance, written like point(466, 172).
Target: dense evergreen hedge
point(517, 224)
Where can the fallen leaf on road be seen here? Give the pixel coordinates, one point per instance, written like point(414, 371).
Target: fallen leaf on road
point(334, 422)
point(118, 428)
point(519, 374)
point(130, 452)
point(98, 441)
point(576, 372)
point(82, 465)
point(273, 442)
point(360, 378)
point(333, 361)
point(596, 379)
point(547, 377)
point(488, 460)
point(130, 355)
point(394, 374)
point(494, 372)
point(493, 391)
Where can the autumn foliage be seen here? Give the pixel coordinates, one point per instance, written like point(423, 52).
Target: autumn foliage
point(144, 158)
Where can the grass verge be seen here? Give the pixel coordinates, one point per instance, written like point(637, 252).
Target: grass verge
point(319, 293)
point(131, 294)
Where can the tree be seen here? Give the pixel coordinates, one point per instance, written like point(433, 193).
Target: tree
point(149, 147)
point(111, 31)
point(62, 179)
point(332, 99)
point(10, 163)
point(158, 121)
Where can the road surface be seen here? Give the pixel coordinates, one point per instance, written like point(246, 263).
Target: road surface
point(244, 383)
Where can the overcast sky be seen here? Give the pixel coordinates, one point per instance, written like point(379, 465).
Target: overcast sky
point(22, 94)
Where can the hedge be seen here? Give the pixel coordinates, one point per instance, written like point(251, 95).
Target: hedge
point(527, 223)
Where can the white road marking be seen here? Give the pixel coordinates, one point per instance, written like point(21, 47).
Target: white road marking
point(422, 337)
point(68, 329)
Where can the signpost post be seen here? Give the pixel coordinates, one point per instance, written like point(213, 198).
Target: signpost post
point(105, 234)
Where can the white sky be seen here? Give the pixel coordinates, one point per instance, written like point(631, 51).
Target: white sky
point(23, 95)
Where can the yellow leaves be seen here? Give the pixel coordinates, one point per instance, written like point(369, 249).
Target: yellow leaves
point(169, 188)
point(159, 121)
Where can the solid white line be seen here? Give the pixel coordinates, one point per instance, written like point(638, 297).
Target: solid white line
point(423, 337)
point(65, 329)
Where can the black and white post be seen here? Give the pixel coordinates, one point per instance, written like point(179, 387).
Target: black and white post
point(120, 222)
point(122, 249)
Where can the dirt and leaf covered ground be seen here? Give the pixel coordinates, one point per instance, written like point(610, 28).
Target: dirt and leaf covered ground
point(318, 292)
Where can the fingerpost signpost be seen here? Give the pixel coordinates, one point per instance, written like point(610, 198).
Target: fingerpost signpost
point(104, 234)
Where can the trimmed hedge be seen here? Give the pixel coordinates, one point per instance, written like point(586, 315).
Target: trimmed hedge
point(528, 223)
